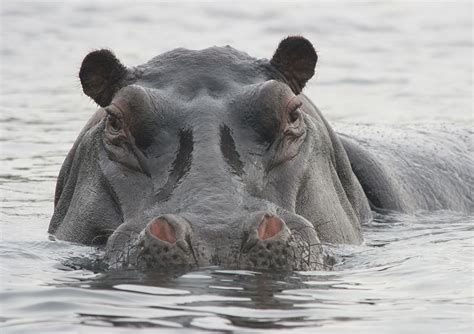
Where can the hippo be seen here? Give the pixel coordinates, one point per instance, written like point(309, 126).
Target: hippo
point(215, 158)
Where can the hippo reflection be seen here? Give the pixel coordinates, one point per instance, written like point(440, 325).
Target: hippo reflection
point(213, 157)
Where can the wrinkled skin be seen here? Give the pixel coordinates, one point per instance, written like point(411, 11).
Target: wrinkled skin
point(210, 157)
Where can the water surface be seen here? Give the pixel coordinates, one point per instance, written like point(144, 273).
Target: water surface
point(380, 62)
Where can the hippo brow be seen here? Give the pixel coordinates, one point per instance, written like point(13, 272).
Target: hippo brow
point(231, 156)
point(180, 166)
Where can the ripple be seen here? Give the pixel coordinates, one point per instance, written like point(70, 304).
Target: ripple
point(150, 290)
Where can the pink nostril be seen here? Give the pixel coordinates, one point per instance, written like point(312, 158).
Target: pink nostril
point(269, 227)
point(162, 230)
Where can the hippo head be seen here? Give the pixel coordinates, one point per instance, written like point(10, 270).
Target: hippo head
point(208, 157)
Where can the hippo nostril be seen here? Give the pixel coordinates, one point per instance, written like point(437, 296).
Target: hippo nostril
point(269, 227)
point(161, 229)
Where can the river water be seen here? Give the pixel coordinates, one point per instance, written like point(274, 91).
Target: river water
point(380, 62)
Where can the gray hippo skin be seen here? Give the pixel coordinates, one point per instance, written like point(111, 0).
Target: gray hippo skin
point(213, 157)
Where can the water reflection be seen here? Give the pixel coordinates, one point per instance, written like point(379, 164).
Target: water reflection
point(228, 298)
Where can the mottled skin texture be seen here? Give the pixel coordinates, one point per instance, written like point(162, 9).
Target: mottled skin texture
point(213, 157)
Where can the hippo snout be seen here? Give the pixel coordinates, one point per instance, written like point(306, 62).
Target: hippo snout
point(286, 242)
point(265, 229)
point(165, 242)
point(258, 240)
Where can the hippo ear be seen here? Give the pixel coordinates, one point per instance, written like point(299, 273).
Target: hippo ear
point(296, 59)
point(100, 74)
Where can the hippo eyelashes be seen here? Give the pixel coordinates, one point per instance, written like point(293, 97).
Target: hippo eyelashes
point(294, 114)
point(115, 132)
point(119, 143)
point(291, 134)
point(295, 123)
point(113, 123)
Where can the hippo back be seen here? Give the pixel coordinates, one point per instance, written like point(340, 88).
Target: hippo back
point(410, 168)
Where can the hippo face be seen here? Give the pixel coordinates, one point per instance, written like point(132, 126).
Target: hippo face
point(208, 157)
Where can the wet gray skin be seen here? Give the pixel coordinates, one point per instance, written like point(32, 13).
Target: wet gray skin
point(213, 157)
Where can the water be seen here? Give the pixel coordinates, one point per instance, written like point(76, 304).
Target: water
point(388, 62)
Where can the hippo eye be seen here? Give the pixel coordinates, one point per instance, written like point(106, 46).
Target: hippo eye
point(292, 135)
point(294, 115)
point(114, 124)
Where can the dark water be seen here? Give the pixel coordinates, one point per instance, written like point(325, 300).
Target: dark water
point(388, 62)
